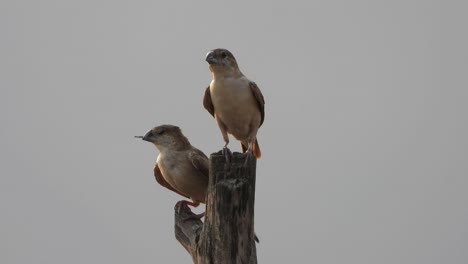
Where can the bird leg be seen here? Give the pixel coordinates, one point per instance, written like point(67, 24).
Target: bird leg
point(249, 153)
point(227, 153)
point(248, 156)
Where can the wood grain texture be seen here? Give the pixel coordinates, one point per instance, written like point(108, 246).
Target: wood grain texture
point(227, 234)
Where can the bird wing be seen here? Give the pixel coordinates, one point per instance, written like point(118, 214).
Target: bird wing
point(259, 98)
point(200, 161)
point(207, 103)
point(160, 179)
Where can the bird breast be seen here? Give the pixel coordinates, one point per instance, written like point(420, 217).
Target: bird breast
point(235, 105)
point(178, 171)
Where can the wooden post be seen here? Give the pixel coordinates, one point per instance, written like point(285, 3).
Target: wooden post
point(227, 235)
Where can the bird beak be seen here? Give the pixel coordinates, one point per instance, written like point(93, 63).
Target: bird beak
point(148, 136)
point(210, 58)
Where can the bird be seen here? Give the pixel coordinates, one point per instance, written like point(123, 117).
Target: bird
point(180, 167)
point(235, 102)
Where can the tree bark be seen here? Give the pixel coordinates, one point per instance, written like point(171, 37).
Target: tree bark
point(227, 235)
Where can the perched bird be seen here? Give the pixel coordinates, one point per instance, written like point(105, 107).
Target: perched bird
point(234, 101)
point(180, 167)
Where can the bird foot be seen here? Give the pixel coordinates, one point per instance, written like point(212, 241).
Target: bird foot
point(248, 156)
point(227, 154)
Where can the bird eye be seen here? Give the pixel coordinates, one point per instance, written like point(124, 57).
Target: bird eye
point(160, 132)
point(223, 55)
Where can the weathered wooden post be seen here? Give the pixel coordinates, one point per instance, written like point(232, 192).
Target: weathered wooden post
point(227, 234)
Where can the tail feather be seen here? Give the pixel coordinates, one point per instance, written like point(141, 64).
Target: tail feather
point(256, 150)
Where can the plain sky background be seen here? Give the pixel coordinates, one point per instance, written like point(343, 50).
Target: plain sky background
point(365, 149)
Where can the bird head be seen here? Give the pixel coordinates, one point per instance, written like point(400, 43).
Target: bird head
point(166, 137)
point(221, 61)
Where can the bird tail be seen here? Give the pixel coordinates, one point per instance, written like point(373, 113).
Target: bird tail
point(256, 150)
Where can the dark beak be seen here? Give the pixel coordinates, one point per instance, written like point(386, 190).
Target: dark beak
point(148, 136)
point(210, 58)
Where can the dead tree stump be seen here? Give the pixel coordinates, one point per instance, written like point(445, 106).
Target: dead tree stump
point(227, 235)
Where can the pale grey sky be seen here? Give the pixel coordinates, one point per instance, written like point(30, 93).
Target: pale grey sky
point(364, 143)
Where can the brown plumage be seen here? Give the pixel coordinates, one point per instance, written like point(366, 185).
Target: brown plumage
point(236, 103)
point(180, 167)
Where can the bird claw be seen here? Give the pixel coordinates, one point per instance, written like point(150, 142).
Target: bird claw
point(227, 154)
point(248, 156)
